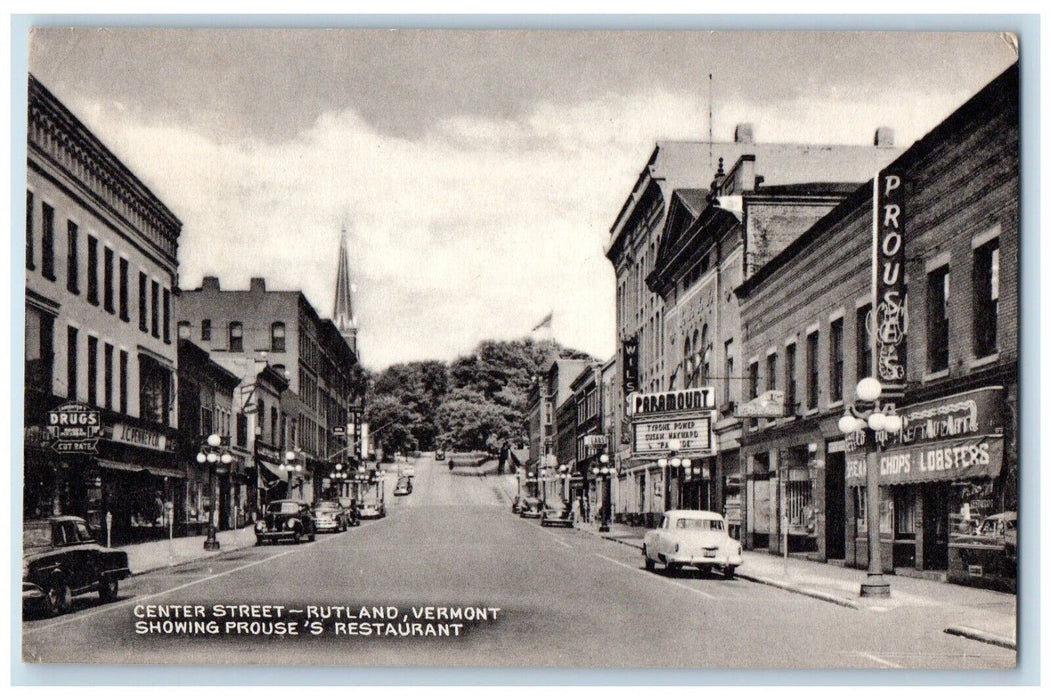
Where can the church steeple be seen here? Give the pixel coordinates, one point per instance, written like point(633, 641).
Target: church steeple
point(343, 313)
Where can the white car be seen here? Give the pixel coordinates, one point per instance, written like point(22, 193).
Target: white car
point(407, 471)
point(692, 538)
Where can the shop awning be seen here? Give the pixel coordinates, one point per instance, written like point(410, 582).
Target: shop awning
point(170, 472)
point(949, 460)
point(269, 472)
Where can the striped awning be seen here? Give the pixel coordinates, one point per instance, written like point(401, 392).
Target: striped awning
point(154, 469)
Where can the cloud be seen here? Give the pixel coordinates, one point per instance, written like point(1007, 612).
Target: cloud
point(474, 228)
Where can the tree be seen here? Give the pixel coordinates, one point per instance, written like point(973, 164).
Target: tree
point(392, 423)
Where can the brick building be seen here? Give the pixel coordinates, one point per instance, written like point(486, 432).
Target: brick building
point(810, 308)
point(101, 266)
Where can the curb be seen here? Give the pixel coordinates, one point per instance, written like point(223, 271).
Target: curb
point(203, 555)
point(981, 636)
point(810, 593)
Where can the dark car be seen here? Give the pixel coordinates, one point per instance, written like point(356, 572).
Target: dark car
point(404, 487)
point(286, 520)
point(531, 507)
point(557, 512)
point(439, 456)
point(350, 507)
point(61, 558)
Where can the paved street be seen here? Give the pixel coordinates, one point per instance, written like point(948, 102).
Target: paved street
point(565, 598)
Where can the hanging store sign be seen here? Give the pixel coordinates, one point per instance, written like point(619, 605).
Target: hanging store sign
point(888, 282)
point(74, 428)
point(629, 360)
point(698, 399)
point(140, 437)
point(953, 460)
point(769, 404)
point(655, 436)
point(594, 441)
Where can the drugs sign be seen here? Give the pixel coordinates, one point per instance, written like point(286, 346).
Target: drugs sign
point(74, 427)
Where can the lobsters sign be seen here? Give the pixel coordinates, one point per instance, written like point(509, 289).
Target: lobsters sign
point(888, 260)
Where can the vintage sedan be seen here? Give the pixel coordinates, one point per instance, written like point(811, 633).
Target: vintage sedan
point(286, 520)
point(372, 510)
point(439, 456)
point(350, 507)
point(330, 517)
point(531, 507)
point(557, 512)
point(61, 558)
point(692, 538)
point(403, 487)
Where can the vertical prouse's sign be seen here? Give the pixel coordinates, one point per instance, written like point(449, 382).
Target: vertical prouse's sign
point(888, 284)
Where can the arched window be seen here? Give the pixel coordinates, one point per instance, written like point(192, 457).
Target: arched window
point(705, 351)
point(687, 363)
point(277, 337)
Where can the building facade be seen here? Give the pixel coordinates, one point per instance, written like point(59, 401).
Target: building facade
point(249, 330)
point(101, 272)
point(812, 305)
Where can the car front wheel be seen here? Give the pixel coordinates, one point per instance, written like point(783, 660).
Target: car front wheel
point(728, 572)
point(650, 564)
point(108, 590)
point(58, 598)
point(296, 537)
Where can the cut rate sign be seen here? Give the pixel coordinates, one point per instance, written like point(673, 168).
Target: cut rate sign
point(655, 436)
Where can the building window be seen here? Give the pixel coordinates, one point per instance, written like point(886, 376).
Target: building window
point(728, 391)
point(124, 313)
point(705, 352)
point(107, 375)
point(30, 255)
point(771, 371)
point(206, 329)
point(154, 390)
point(166, 306)
point(155, 315)
point(986, 297)
point(72, 263)
point(277, 337)
point(184, 330)
point(864, 344)
point(143, 314)
point(71, 363)
point(93, 270)
point(938, 319)
point(790, 379)
point(236, 337)
point(753, 380)
point(242, 430)
point(39, 344)
point(835, 360)
point(273, 426)
point(260, 411)
point(93, 370)
point(47, 243)
point(123, 382)
point(811, 370)
point(107, 280)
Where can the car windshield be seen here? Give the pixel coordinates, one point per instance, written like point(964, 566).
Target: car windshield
point(328, 506)
point(698, 524)
point(283, 507)
point(37, 535)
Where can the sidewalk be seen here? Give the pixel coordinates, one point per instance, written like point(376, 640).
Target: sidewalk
point(986, 616)
point(150, 556)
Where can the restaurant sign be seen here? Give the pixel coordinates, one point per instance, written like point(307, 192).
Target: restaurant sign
point(655, 436)
point(680, 400)
point(74, 428)
point(888, 282)
point(954, 460)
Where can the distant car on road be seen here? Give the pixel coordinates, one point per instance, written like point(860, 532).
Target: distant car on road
point(403, 487)
point(61, 558)
point(372, 510)
point(408, 470)
point(330, 516)
point(692, 538)
point(531, 507)
point(557, 512)
point(286, 520)
point(439, 456)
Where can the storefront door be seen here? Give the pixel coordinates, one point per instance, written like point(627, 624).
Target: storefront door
point(936, 497)
point(835, 505)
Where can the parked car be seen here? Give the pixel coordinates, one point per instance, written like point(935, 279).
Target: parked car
point(439, 456)
point(403, 487)
point(330, 516)
point(531, 507)
point(557, 512)
point(61, 558)
point(350, 507)
point(286, 520)
point(692, 538)
point(373, 510)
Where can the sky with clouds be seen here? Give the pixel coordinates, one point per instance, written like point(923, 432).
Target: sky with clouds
point(477, 172)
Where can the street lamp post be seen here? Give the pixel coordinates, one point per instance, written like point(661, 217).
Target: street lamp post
point(211, 452)
point(563, 477)
point(606, 473)
point(672, 461)
point(867, 416)
point(293, 465)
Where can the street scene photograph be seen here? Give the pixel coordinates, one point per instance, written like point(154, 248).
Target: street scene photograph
point(603, 349)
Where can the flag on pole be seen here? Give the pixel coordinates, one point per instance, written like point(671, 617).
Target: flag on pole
point(545, 323)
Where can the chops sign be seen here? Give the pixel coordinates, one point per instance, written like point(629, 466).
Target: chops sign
point(74, 427)
point(890, 322)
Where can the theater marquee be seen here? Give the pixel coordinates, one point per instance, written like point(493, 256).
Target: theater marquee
point(655, 436)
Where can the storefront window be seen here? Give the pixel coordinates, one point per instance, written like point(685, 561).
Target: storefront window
point(154, 390)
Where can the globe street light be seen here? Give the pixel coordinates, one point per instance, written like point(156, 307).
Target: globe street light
point(671, 460)
point(211, 453)
point(868, 417)
point(606, 472)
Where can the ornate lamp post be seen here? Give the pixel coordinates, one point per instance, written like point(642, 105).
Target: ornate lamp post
point(867, 416)
point(672, 461)
point(213, 454)
point(563, 477)
point(606, 473)
point(294, 466)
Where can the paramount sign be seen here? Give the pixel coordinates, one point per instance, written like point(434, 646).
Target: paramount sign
point(699, 399)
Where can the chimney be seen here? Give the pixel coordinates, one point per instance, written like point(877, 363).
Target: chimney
point(210, 284)
point(884, 137)
point(743, 133)
point(257, 284)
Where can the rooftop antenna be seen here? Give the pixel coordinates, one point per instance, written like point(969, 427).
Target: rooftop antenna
point(709, 120)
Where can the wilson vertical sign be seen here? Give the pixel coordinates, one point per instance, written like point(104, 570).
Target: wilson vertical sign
point(890, 321)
